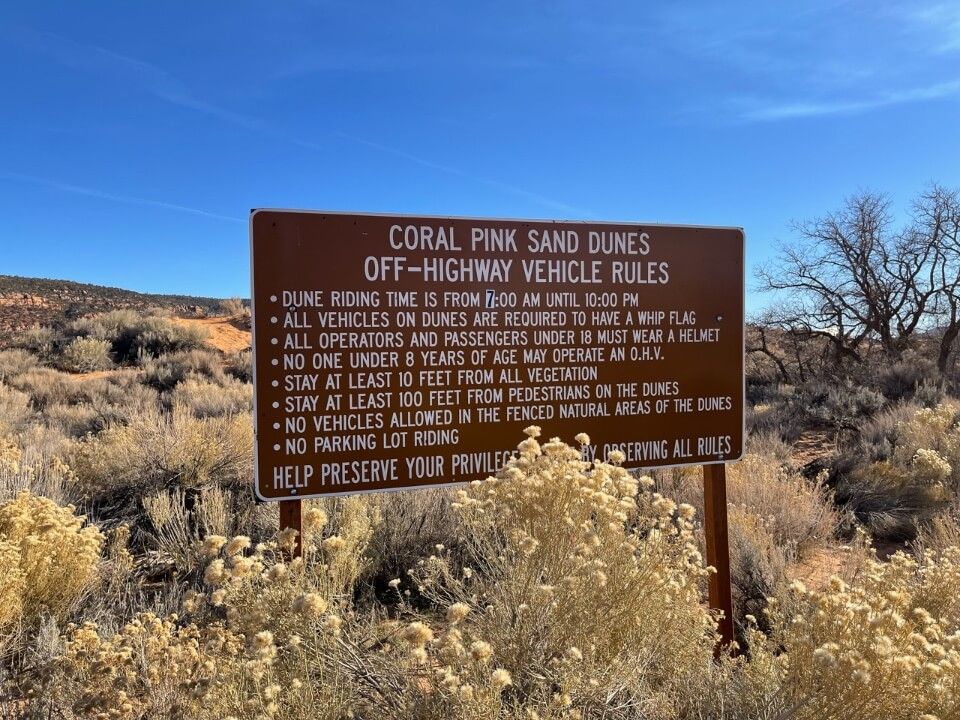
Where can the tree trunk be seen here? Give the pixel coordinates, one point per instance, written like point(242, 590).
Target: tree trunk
point(946, 345)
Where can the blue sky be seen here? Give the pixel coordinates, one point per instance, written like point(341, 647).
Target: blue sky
point(135, 137)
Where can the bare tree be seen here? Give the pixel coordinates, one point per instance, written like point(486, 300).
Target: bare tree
point(936, 223)
point(757, 342)
point(854, 281)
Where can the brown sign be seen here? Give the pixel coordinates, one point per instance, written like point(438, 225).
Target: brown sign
point(397, 352)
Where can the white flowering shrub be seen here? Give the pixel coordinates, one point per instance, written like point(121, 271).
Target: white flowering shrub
point(581, 583)
point(887, 646)
point(568, 590)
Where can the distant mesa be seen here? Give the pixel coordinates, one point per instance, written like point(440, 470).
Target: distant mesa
point(25, 302)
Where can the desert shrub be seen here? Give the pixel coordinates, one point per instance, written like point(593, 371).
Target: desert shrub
point(46, 387)
point(556, 548)
point(776, 518)
point(891, 502)
point(203, 398)
point(841, 405)
point(798, 513)
point(165, 372)
point(83, 405)
point(160, 336)
point(164, 449)
point(526, 628)
point(902, 379)
point(773, 408)
point(414, 523)
point(105, 326)
point(910, 470)
point(880, 434)
point(16, 362)
point(41, 443)
point(74, 420)
point(84, 354)
point(55, 554)
point(232, 307)
point(268, 638)
point(933, 429)
point(176, 521)
point(758, 566)
point(127, 674)
point(930, 394)
point(940, 534)
point(14, 408)
point(884, 646)
point(240, 365)
point(769, 392)
point(12, 584)
point(133, 338)
point(39, 340)
point(116, 399)
point(576, 591)
point(779, 416)
point(27, 469)
point(770, 444)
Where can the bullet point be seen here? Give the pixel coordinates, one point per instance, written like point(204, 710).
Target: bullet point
point(276, 404)
point(273, 298)
point(276, 446)
point(273, 320)
point(276, 426)
point(273, 341)
point(276, 383)
point(274, 362)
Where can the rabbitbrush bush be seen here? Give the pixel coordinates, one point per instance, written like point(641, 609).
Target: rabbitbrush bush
point(583, 583)
point(48, 557)
point(885, 647)
point(568, 590)
point(582, 593)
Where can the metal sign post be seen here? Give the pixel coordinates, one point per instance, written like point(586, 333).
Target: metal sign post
point(291, 518)
point(718, 548)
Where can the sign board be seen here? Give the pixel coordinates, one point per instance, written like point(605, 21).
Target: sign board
point(398, 352)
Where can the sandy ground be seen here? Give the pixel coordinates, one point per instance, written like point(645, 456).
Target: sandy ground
point(223, 333)
point(815, 569)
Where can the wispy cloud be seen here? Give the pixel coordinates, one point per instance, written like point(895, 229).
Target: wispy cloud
point(780, 110)
point(164, 86)
point(505, 187)
point(147, 76)
point(113, 197)
point(939, 22)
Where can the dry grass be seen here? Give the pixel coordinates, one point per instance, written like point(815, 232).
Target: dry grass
point(797, 512)
point(580, 597)
point(556, 590)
